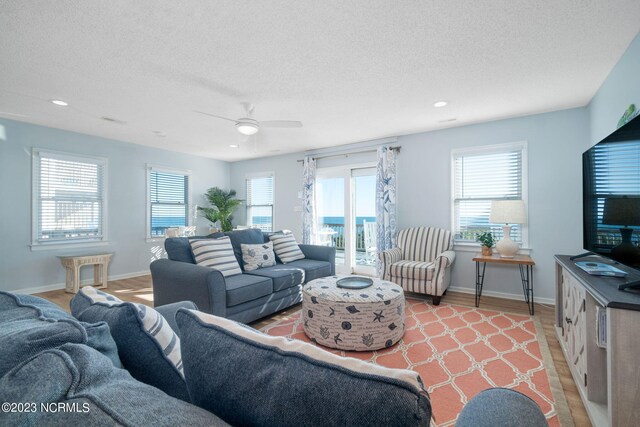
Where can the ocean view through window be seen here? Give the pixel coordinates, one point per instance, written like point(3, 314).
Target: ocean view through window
point(260, 201)
point(168, 200)
point(480, 176)
point(345, 206)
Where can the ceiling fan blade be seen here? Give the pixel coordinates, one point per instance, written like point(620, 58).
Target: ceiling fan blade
point(213, 115)
point(281, 124)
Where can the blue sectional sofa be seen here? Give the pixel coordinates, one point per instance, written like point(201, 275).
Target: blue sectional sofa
point(244, 297)
point(106, 365)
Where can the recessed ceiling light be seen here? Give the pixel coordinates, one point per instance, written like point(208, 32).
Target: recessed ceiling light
point(447, 120)
point(159, 133)
point(440, 104)
point(233, 145)
point(59, 102)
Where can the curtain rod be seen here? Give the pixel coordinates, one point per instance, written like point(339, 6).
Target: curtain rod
point(396, 148)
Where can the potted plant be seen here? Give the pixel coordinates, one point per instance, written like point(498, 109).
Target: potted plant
point(224, 203)
point(486, 241)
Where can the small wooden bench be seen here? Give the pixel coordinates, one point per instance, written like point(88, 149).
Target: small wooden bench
point(73, 263)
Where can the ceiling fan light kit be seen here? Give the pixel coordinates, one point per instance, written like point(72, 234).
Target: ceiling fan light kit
point(247, 126)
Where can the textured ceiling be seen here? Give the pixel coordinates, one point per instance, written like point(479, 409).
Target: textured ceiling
point(350, 71)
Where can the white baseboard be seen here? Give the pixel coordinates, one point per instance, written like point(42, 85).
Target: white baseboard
point(57, 286)
point(548, 301)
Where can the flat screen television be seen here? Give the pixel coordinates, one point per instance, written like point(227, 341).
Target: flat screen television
point(611, 195)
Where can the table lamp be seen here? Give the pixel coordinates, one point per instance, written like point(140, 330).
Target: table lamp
point(624, 211)
point(507, 212)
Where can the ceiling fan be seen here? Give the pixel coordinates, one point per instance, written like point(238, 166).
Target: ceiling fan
point(250, 126)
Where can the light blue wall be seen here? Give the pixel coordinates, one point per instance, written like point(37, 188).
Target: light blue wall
point(21, 268)
point(555, 143)
point(621, 88)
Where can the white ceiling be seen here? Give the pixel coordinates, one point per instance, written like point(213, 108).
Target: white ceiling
point(350, 71)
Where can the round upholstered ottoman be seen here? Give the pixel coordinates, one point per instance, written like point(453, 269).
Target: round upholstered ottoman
point(353, 319)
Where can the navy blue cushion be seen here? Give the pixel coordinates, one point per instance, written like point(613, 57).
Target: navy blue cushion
point(179, 249)
point(313, 269)
point(94, 392)
point(246, 287)
point(147, 360)
point(249, 378)
point(250, 236)
point(282, 275)
point(29, 325)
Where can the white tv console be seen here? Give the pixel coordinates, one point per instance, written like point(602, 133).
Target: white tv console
point(608, 379)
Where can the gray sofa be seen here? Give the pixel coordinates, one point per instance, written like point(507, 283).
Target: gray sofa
point(244, 297)
point(58, 371)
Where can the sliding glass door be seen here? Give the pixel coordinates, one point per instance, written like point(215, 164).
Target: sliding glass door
point(345, 205)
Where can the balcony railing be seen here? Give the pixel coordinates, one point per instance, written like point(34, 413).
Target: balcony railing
point(337, 239)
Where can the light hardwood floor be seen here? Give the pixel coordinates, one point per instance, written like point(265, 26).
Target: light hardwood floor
point(139, 289)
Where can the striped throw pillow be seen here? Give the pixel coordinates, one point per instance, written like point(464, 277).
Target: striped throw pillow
point(285, 246)
point(153, 323)
point(216, 253)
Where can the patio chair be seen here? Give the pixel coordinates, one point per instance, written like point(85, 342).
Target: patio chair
point(370, 245)
point(422, 261)
point(325, 236)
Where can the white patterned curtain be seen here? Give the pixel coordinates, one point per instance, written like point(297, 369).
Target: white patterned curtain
point(385, 201)
point(308, 200)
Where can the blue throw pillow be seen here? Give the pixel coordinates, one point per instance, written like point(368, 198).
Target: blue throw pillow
point(249, 236)
point(179, 249)
point(250, 378)
point(148, 347)
point(29, 325)
point(93, 393)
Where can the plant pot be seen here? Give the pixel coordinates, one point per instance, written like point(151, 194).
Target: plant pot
point(487, 251)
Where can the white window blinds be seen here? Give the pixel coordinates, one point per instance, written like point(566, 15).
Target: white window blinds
point(168, 200)
point(260, 202)
point(481, 176)
point(69, 198)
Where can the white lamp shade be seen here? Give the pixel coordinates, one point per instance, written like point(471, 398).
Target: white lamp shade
point(508, 212)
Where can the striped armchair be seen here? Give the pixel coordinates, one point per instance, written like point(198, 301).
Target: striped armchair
point(422, 261)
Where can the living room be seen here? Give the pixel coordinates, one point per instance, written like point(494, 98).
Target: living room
point(567, 107)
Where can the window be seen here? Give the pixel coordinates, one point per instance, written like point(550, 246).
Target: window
point(69, 203)
point(168, 200)
point(260, 201)
point(481, 175)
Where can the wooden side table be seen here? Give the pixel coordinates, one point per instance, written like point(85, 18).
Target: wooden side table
point(73, 263)
point(524, 263)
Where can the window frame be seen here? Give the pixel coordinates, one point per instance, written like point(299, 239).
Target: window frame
point(36, 155)
point(484, 150)
point(258, 175)
point(189, 205)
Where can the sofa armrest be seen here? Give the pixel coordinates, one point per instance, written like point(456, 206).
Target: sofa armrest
point(446, 257)
point(175, 281)
point(168, 311)
point(387, 258)
point(442, 274)
point(320, 253)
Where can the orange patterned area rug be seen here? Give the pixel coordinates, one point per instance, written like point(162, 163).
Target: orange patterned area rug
point(459, 351)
